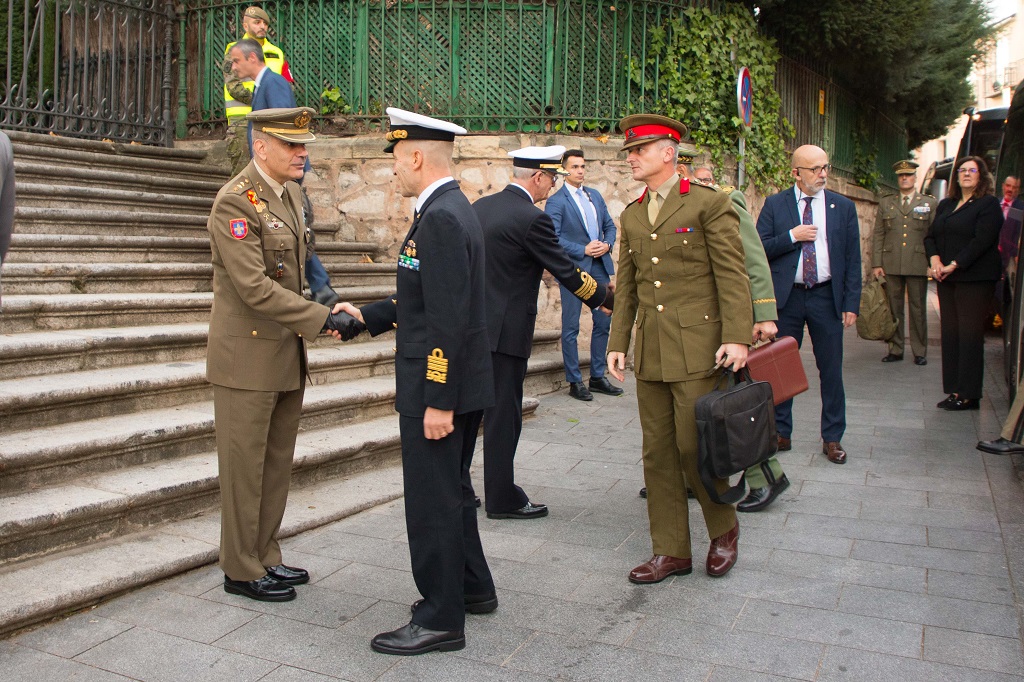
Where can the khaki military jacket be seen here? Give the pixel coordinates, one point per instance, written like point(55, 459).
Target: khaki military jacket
point(682, 282)
point(761, 287)
point(260, 321)
point(898, 241)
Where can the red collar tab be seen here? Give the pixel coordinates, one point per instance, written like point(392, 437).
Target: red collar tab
point(684, 186)
point(643, 196)
point(651, 130)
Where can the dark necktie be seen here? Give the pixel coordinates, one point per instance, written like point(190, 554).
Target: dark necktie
point(906, 204)
point(809, 254)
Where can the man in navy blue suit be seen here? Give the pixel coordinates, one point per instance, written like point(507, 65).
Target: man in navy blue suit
point(586, 231)
point(812, 239)
point(273, 91)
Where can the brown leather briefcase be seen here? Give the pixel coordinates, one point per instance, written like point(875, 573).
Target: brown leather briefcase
point(779, 364)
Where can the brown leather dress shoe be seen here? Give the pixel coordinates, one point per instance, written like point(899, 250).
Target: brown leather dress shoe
point(785, 444)
point(834, 451)
point(723, 552)
point(659, 568)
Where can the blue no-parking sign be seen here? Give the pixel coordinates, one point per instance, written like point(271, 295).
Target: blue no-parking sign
point(744, 98)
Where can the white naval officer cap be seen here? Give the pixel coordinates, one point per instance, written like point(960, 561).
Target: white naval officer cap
point(542, 158)
point(408, 125)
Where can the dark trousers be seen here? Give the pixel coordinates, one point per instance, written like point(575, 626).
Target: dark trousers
point(963, 309)
point(817, 309)
point(502, 425)
point(440, 516)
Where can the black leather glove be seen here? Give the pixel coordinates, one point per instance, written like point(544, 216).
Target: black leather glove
point(609, 300)
point(348, 326)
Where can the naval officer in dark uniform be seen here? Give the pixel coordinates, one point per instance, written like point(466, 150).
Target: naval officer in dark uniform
point(256, 355)
point(443, 384)
point(521, 243)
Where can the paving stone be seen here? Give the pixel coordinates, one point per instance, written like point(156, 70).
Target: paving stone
point(767, 586)
point(557, 554)
point(287, 673)
point(146, 655)
point(71, 636)
point(314, 604)
point(606, 624)
point(977, 563)
point(735, 648)
point(528, 578)
point(830, 627)
point(454, 669)
point(858, 529)
point(928, 483)
point(821, 506)
point(944, 612)
point(856, 666)
point(506, 546)
point(995, 590)
point(723, 673)
point(963, 519)
point(571, 658)
point(967, 540)
point(868, 495)
point(310, 647)
point(1001, 654)
point(199, 620)
point(373, 581)
point(194, 583)
point(21, 664)
point(812, 542)
point(373, 551)
point(844, 570)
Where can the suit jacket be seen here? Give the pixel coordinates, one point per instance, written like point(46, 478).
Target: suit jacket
point(521, 243)
point(898, 242)
point(274, 92)
point(443, 359)
point(1009, 235)
point(571, 227)
point(682, 281)
point(842, 230)
point(260, 321)
point(970, 236)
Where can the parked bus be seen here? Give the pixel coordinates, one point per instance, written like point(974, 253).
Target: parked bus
point(1010, 161)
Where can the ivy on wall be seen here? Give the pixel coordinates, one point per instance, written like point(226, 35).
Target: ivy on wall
point(690, 73)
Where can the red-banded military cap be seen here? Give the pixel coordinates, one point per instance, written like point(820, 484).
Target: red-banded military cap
point(643, 128)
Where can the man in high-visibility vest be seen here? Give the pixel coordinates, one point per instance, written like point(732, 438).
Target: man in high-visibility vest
point(238, 91)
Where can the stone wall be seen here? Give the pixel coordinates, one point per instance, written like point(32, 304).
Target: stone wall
point(351, 188)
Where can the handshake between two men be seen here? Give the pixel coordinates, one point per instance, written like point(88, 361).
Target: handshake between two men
point(345, 322)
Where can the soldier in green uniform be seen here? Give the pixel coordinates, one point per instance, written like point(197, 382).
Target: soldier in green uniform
point(897, 253)
point(683, 285)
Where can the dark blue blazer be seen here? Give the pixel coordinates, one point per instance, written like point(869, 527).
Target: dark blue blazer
point(572, 230)
point(842, 231)
point(274, 92)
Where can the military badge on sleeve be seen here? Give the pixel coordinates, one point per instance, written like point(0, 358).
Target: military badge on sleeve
point(239, 228)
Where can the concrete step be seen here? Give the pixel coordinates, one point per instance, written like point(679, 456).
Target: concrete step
point(360, 274)
point(115, 503)
point(47, 220)
point(107, 278)
point(55, 195)
point(69, 397)
point(51, 157)
point(74, 579)
point(203, 185)
point(39, 312)
point(39, 140)
point(94, 248)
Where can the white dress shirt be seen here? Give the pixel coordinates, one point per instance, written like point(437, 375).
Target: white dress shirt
point(431, 188)
point(820, 241)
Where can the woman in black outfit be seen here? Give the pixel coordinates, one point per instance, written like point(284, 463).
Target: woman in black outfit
point(962, 246)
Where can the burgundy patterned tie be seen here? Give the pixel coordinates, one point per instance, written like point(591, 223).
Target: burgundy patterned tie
point(810, 255)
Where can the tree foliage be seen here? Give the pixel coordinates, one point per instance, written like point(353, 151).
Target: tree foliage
point(909, 59)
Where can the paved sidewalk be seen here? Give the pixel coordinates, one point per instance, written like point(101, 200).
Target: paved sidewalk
point(899, 565)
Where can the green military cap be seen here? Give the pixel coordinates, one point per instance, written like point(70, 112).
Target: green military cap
point(257, 13)
point(687, 153)
point(905, 167)
point(290, 125)
point(643, 128)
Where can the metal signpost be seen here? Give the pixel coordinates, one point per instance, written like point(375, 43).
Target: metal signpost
point(745, 105)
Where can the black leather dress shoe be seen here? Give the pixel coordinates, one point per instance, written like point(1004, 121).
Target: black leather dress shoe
point(411, 640)
point(944, 404)
point(580, 392)
point(478, 502)
point(760, 498)
point(1001, 446)
point(920, 360)
point(961, 404)
point(602, 385)
point(530, 511)
point(288, 575)
point(474, 603)
point(264, 589)
point(892, 357)
point(643, 492)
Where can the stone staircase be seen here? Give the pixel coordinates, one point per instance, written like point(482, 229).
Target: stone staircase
point(108, 472)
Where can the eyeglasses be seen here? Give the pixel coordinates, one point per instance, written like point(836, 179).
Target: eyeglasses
point(972, 171)
point(816, 170)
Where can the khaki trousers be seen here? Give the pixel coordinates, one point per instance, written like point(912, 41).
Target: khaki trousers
point(917, 296)
point(670, 464)
point(256, 433)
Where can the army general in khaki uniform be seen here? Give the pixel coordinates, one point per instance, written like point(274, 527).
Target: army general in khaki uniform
point(898, 254)
point(256, 358)
point(682, 283)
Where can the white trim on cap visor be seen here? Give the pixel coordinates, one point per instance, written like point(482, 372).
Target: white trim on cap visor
point(552, 153)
